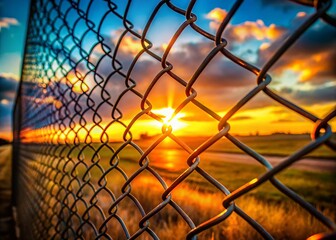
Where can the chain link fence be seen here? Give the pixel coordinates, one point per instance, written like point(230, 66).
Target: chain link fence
point(80, 173)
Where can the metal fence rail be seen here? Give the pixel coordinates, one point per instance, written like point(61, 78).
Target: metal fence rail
point(69, 179)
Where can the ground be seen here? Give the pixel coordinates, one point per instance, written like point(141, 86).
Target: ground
point(6, 220)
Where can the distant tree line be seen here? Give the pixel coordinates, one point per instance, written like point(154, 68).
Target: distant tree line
point(3, 141)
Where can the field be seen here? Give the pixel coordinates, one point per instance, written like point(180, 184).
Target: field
point(279, 215)
point(276, 145)
point(6, 222)
point(201, 201)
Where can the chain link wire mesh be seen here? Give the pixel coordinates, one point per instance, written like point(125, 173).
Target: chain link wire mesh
point(73, 132)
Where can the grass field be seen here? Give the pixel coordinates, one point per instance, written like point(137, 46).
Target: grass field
point(278, 214)
point(202, 201)
point(170, 166)
point(277, 144)
point(6, 220)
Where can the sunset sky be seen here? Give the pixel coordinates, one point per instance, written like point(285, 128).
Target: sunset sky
point(12, 35)
point(305, 75)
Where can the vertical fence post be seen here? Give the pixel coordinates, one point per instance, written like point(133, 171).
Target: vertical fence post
point(16, 125)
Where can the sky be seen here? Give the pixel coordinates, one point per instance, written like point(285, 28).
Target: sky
point(304, 75)
point(13, 22)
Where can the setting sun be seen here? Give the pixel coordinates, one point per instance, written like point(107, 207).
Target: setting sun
point(168, 117)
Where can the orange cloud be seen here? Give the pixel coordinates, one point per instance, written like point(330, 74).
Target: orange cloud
point(10, 76)
point(255, 30)
point(246, 30)
point(264, 46)
point(7, 22)
point(8, 85)
point(301, 14)
point(4, 102)
point(310, 67)
point(129, 44)
point(311, 58)
point(216, 16)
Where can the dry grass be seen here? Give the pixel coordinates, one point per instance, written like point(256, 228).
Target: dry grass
point(281, 217)
point(6, 220)
point(283, 220)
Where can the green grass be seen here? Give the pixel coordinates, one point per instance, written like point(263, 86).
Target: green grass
point(318, 187)
point(315, 187)
point(277, 145)
point(269, 145)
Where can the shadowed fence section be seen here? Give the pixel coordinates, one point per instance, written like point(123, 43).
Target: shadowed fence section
point(83, 168)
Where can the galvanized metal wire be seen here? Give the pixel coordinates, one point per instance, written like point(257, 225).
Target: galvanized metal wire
point(58, 186)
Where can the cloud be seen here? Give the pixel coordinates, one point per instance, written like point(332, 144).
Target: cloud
point(214, 84)
point(279, 111)
point(301, 14)
point(128, 48)
point(317, 95)
point(239, 118)
point(219, 72)
point(5, 115)
point(216, 16)
point(10, 76)
point(220, 85)
point(254, 30)
point(312, 57)
point(4, 102)
point(7, 22)
point(286, 120)
point(245, 31)
point(8, 85)
point(129, 44)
